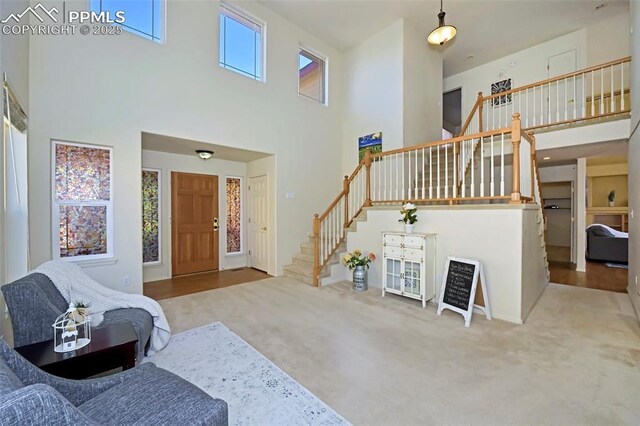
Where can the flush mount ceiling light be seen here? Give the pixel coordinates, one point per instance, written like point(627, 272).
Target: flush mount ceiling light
point(547, 158)
point(444, 32)
point(204, 154)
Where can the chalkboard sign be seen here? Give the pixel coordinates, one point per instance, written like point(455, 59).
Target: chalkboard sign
point(459, 284)
point(460, 279)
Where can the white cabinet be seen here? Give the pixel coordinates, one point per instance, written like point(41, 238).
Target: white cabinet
point(408, 265)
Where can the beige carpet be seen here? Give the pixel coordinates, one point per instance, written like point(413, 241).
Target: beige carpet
point(387, 361)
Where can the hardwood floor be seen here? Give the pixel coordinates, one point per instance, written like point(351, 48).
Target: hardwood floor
point(188, 284)
point(559, 254)
point(597, 276)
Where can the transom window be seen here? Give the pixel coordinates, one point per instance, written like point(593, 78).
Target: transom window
point(311, 76)
point(142, 17)
point(82, 202)
point(241, 43)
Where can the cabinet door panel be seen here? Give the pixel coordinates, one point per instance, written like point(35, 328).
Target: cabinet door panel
point(393, 240)
point(412, 278)
point(413, 254)
point(390, 251)
point(412, 241)
point(394, 268)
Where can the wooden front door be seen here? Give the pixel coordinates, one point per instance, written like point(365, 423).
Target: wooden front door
point(194, 223)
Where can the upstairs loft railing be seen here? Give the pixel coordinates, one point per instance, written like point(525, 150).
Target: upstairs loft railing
point(596, 92)
point(448, 171)
point(494, 152)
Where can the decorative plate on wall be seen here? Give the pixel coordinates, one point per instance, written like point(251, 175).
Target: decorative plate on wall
point(499, 87)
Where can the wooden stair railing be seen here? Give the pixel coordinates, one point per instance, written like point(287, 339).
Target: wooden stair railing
point(394, 177)
point(596, 92)
point(543, 109)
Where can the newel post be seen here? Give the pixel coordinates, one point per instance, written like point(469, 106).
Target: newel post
point(345, 190)
point(533, 166)
point(316, 250)
point(516, 137)
point(367, 165)
point(480, 102)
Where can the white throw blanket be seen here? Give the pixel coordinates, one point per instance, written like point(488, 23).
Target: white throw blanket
point(75, 285)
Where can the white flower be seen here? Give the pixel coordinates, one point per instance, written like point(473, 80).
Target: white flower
point(409, 206)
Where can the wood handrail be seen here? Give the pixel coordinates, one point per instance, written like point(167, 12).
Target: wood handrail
point(355, 172)
point(332, 205)
point(577, 120)
point(561, 77)
point(528, 137)
point(473, 112)
point(443, 142)
point(342, 193)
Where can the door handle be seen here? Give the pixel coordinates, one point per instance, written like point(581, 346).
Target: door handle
point(215, 224)
point(264, 228)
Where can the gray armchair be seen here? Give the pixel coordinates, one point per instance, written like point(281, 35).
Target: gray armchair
point(34, 304)
point(144, 395)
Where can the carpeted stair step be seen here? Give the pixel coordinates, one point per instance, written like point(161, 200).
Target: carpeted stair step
point(302, 273)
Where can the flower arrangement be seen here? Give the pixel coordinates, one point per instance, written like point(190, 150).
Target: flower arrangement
point(408, 213)
point(351, 260)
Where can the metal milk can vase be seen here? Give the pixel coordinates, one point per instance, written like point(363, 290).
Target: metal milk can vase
point(360, 278)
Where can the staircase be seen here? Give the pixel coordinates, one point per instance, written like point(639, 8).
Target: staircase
point(301, 267)
point(471, 168)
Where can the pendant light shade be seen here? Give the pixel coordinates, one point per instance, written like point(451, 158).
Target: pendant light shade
point(444, 32)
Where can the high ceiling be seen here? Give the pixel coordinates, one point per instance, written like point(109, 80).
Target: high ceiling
point(487, 29)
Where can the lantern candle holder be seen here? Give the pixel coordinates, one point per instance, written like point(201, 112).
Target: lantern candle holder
point(72, 330)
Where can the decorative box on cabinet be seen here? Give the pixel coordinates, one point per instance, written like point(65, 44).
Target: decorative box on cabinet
point(408, 265)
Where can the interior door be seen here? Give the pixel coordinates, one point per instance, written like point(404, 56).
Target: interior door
point(194, 223)
point(258, 223)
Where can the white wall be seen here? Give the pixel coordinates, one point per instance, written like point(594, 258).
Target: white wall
point(394, 85)
point(107, 90)
point(422, 88)
point(14, 62)
point(608, 40)
point(634, 163)
point(168, 163)
point(267, 167)
point(493, 234)
point(373, 99)
point(529, 66)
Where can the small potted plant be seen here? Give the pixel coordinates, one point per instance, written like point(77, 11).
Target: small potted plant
point(82, 309)
point(409, 217)
point(612, 198)
point(359, 263)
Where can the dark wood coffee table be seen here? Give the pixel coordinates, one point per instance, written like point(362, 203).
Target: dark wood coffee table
point(111, 346)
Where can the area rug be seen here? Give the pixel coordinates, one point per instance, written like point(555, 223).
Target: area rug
point(219, 362)
point(617, 265)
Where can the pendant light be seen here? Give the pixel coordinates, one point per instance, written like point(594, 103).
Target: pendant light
point(444, 32)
